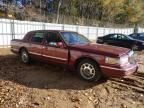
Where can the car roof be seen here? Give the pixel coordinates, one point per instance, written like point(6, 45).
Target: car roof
point(137, 33)
point(115, 34)
point(51, 31)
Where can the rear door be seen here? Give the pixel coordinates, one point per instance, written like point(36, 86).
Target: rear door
point(36, 44)
point(52, 51)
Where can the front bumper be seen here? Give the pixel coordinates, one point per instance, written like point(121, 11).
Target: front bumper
point(119, 72)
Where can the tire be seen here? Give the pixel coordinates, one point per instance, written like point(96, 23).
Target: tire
point(24, 56)
point(88, 70)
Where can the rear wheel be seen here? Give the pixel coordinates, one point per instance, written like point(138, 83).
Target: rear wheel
point(25, 56)
point(88, 70)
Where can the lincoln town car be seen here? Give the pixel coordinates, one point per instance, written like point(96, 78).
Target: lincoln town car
point(75, 52)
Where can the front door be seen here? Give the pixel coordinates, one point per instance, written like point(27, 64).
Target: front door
point(112, 40)
point(124, 41)
point(55, 49)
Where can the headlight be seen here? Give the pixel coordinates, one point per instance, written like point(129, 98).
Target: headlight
point(109, 60)
point(132, 57)
point(131, 53)
point(122, 60)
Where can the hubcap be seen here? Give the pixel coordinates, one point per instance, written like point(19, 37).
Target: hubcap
point(24, 57)
point(87, 71)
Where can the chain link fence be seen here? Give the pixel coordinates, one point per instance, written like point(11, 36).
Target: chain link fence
point(15, 29)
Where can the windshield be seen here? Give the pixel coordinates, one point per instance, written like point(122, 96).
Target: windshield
point(74, 38)
point(141, 35)
point(130, 37)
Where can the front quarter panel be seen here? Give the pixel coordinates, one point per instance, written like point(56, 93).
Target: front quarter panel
point(75, 55)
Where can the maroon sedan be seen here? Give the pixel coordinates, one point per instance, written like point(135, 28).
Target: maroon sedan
point(74, 51)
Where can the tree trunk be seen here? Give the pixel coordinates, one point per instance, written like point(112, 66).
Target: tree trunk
point(136, 28)
point(58, 11)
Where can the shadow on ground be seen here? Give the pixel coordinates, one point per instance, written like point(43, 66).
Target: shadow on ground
point(40, 75)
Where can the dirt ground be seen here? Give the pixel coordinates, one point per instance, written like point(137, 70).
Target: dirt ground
point(45, 86)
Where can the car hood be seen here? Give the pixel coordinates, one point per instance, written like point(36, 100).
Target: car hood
point(106, 50)
point(140, 41)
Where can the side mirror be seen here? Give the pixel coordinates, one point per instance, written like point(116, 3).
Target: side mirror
point(52, 44)
point(60, 44)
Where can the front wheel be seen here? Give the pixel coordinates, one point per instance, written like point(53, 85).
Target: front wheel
point(88, 70)
point(25, 56)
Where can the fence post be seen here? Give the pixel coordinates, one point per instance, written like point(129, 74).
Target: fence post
point(43, 26)
point(2, 36)
point(63, 27)
point(12, 29)
point(114, 30)
point(88, 32)
point(97, 32)
point(27, 26)
point(104, 31)
point(77, 28)
point(127, 32)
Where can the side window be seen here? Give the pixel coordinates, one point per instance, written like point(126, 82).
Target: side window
point(133, 35)
point(38, 37)
point(141, 35)
point(122, 37)
point(53, 39)
point(119, 37)
point(113, 36)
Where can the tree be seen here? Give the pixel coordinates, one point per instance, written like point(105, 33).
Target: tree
point(58, 10)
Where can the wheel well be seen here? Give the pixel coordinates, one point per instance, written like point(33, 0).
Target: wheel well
point(21, 49)
point(84, 58)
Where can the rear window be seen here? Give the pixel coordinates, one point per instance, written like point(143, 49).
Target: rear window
point(27, 36)
point(114, 36)
point(38, 37)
